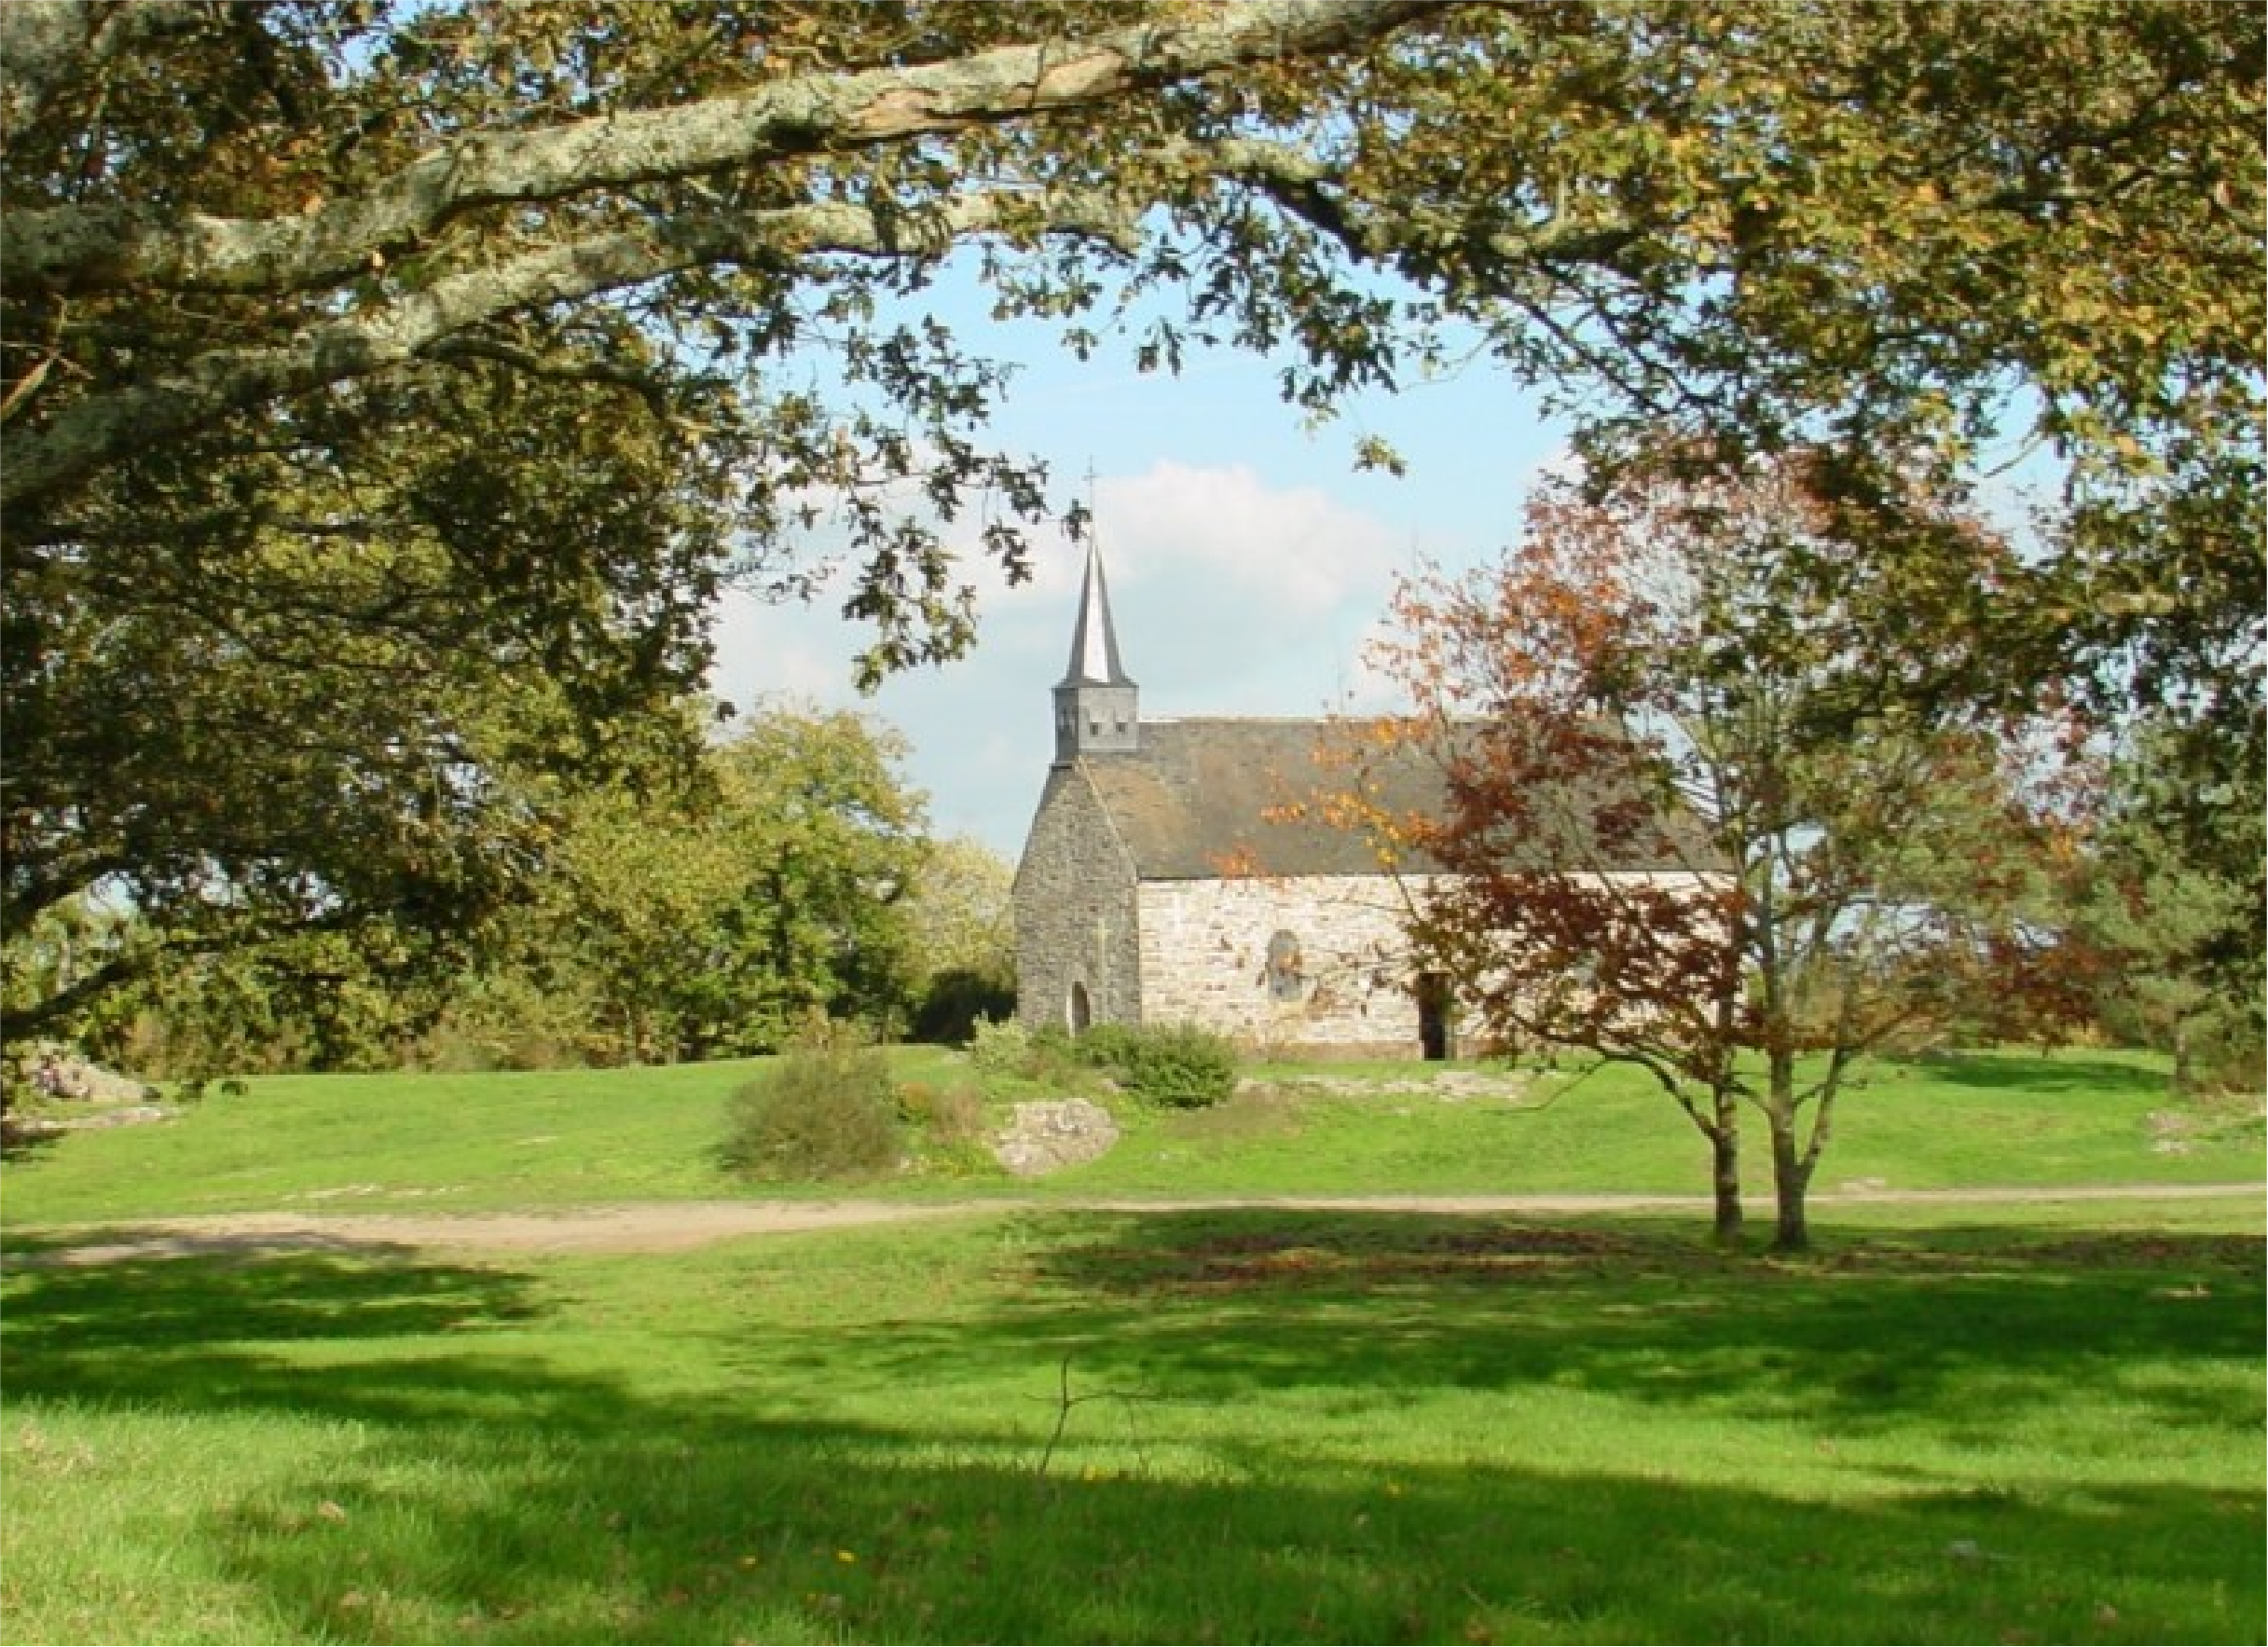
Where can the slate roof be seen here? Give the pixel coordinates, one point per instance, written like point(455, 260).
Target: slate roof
point(1192, 803)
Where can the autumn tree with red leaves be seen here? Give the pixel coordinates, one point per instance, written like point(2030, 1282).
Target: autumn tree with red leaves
point(1680, 829)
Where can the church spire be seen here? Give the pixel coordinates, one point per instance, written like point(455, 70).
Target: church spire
point(1095, 643)
point(1095, 701)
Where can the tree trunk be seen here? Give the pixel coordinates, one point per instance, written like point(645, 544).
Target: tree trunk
point(1791, 1181)
point(1725, 1153)
point(1791, 1171)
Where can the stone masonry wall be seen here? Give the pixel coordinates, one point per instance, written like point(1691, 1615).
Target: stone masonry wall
point(1215, 952)
point(1073, 905)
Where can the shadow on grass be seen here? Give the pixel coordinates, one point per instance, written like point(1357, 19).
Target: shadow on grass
point(23, 1141)
point(1954, 1332)
point(197, 1334)
point(2009, 1072)
point(784, 1533)
point(501, 1495)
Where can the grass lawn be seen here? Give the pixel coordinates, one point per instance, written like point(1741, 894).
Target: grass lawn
point(1025, 1425)
point(441, 1142)
point(397, 1142)
point(2000, 1120)
point(1031, 1422)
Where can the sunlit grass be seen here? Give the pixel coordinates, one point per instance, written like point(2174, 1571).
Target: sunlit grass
point(2032, 1423)
point(1160, 1426)
point(2003, 1118)
point(413, 1143)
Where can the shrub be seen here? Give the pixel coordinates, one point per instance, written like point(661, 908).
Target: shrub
point(1007, 1053)
point(950, 1114)
point(826, 1108)
point(1176, 1065)
point(1054, 1058)
point(1113, 1046)
point(958, 1116)
point(1003, 1048)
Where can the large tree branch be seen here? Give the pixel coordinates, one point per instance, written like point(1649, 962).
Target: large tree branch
point(19, 1024)
point(1312, 189)
point(92, 432)
point(68, 875)
point(85, 247)
point(46, 43)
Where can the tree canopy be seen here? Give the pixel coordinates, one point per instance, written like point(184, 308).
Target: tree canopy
point(714, 924)
point(1668, 838)
point(391, 386)
point(786, 875)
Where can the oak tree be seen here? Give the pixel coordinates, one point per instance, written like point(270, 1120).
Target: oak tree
point(391, 389)
point(388, 386)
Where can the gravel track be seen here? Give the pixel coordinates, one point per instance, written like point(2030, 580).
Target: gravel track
point(666, 1227)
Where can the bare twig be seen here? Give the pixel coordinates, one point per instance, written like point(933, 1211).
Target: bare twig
point(1065, 1401)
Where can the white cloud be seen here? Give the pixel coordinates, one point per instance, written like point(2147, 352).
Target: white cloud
point(1231, 598)
point(778, 652)
point(1236, 597)
point(1199, 528)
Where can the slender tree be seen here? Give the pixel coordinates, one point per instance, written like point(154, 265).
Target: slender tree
point(1668, 841)
point(2172, 930)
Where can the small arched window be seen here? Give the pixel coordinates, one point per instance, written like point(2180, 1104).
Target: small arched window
point(1078, 1013)
point(1286, 973)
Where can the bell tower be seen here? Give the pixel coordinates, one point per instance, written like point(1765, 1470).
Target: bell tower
point(1094, 702)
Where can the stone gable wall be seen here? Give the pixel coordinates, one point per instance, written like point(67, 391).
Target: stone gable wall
point(1074, 905)
point(1339, 983)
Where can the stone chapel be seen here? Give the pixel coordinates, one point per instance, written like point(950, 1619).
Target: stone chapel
point(1155, 889)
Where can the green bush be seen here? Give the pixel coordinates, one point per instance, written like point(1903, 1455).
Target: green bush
point(826, 1108)
point(1006, 1053)
point(1176, 1065)
point(1002, 1048)
point(1055, 1057)
point(1112, 1046)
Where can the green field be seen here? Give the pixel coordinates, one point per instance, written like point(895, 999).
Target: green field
point(1952, 1423)
point(475, 1142)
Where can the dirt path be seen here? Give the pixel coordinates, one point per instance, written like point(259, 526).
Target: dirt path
point(665, 1226)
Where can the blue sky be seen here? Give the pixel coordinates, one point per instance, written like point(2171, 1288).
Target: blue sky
point(1248, 560)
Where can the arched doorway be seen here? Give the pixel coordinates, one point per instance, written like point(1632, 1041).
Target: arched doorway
point(1078, 1013)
